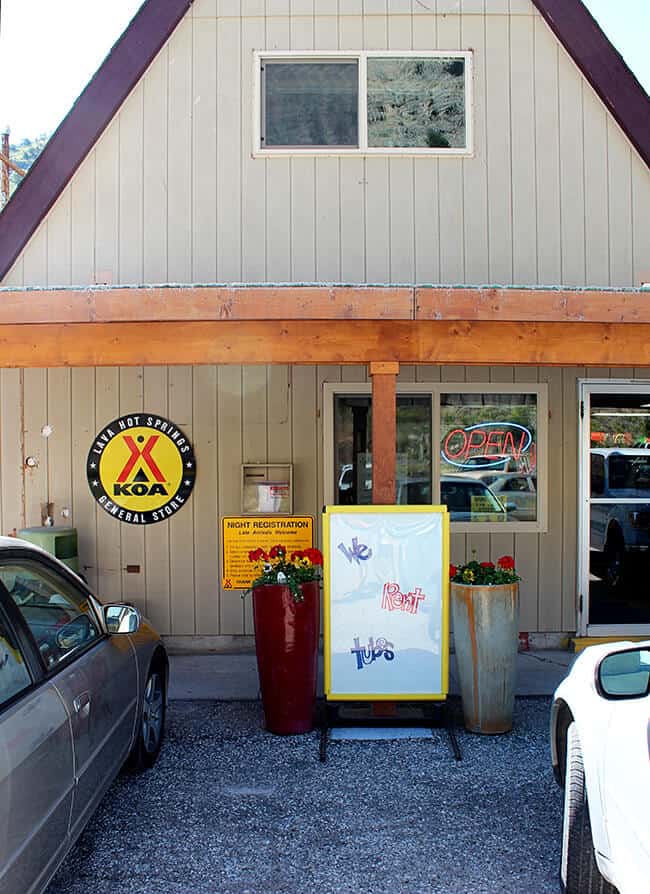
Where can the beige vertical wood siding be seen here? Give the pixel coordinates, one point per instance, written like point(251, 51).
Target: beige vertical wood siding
point(233, 415)
point(555, 194)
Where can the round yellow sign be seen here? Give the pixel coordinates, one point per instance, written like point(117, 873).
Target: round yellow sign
point(141, 469)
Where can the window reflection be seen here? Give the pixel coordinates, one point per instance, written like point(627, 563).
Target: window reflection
point(14, 676)
point(311, 103)
point(488, 456)
point(353, 449)
point(487, 459)
point(416, 102)
point(619, 511)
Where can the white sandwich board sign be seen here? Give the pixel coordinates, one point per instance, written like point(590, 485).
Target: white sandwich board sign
point(386, 603)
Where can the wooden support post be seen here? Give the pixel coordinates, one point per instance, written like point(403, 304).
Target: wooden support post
point(384, 421)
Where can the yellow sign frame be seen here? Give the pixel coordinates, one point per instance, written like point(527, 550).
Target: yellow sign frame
point(327, 606)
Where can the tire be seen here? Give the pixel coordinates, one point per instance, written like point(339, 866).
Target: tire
point(144, 753)
point(579, 873)
point(614, 564)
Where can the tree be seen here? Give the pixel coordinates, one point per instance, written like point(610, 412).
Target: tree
point(24, 154)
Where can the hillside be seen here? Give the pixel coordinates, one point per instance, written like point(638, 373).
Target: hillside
point(24, 154)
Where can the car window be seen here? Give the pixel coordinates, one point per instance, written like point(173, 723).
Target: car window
point(414, 492)
point(468, 496)
point(514, 485)
point(14, 675)
point(59, 618)
point(597, 474)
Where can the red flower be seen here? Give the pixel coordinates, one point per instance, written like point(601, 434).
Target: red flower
point(314, 555)
point(255, 555)
point(507, 563)
point(277, 552)
point(488, 564)
point(299, 554)
point(453, 571)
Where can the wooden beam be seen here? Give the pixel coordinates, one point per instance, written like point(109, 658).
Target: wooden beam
point(186, 303)
point(533, 305)
point(384, 456)
point(158, 303)
point(339, 342)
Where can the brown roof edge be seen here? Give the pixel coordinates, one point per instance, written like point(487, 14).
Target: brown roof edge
point(85, 122)
point(603, 66)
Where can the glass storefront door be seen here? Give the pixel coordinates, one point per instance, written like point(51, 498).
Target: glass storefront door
point(615, 524)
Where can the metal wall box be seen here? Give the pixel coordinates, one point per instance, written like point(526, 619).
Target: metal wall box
point(267, 488)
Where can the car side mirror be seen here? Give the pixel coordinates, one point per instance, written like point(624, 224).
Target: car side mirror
point(509, 507)
point(625, 674)
point(121, 618)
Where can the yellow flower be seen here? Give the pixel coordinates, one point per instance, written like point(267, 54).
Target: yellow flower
point(468, 576)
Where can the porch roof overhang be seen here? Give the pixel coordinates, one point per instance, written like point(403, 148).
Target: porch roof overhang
point(338, 324)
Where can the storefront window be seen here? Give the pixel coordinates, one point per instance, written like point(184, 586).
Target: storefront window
point(353, 449)
point(479, 450)
point(488, 456)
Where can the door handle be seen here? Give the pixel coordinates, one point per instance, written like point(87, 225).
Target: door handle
point(81, 704)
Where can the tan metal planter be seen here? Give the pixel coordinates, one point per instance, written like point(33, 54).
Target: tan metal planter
point(486, 634)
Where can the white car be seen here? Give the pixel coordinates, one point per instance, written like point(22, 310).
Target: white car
point(600, 748)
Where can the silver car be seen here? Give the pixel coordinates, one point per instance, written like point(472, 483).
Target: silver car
point(83, 691)
point(518, 493)
point(467, 499)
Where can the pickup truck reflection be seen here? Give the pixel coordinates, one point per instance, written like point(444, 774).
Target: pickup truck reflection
point(620, 510)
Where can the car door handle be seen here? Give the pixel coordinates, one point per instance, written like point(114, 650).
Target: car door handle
point(81, 704)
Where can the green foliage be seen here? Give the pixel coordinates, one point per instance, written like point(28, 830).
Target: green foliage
point(24, 154)
point(436, 140)
point(485, 573)
point(277, 567)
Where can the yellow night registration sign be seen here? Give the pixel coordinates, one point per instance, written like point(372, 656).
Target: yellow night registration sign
point(241, 534)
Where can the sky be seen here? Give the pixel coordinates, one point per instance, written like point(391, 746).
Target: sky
point(49, 50)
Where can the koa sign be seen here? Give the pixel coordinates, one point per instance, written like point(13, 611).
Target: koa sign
point(141, 469)
point(492, 443)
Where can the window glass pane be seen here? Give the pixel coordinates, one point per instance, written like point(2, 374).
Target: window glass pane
point(416, 102)
point(60, 620)
point(353, 450)
point(310, 104)
point(488, 456)
point(619, 514)
point(14, 676)
point(413, 450)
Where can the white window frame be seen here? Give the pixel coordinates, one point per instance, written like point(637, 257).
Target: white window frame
point(331, 390)
point(361, 57)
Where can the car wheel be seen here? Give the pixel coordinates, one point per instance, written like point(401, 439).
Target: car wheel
point(579, 873)
point(152, 722)
point(614, 560)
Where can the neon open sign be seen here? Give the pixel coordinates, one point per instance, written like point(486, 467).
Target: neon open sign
point(488, 444)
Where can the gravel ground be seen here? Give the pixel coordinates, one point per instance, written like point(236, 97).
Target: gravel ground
point(230, 809)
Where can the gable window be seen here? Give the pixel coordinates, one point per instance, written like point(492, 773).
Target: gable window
point(363, 103)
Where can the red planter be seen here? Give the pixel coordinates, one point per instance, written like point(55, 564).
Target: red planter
point(286, 642)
